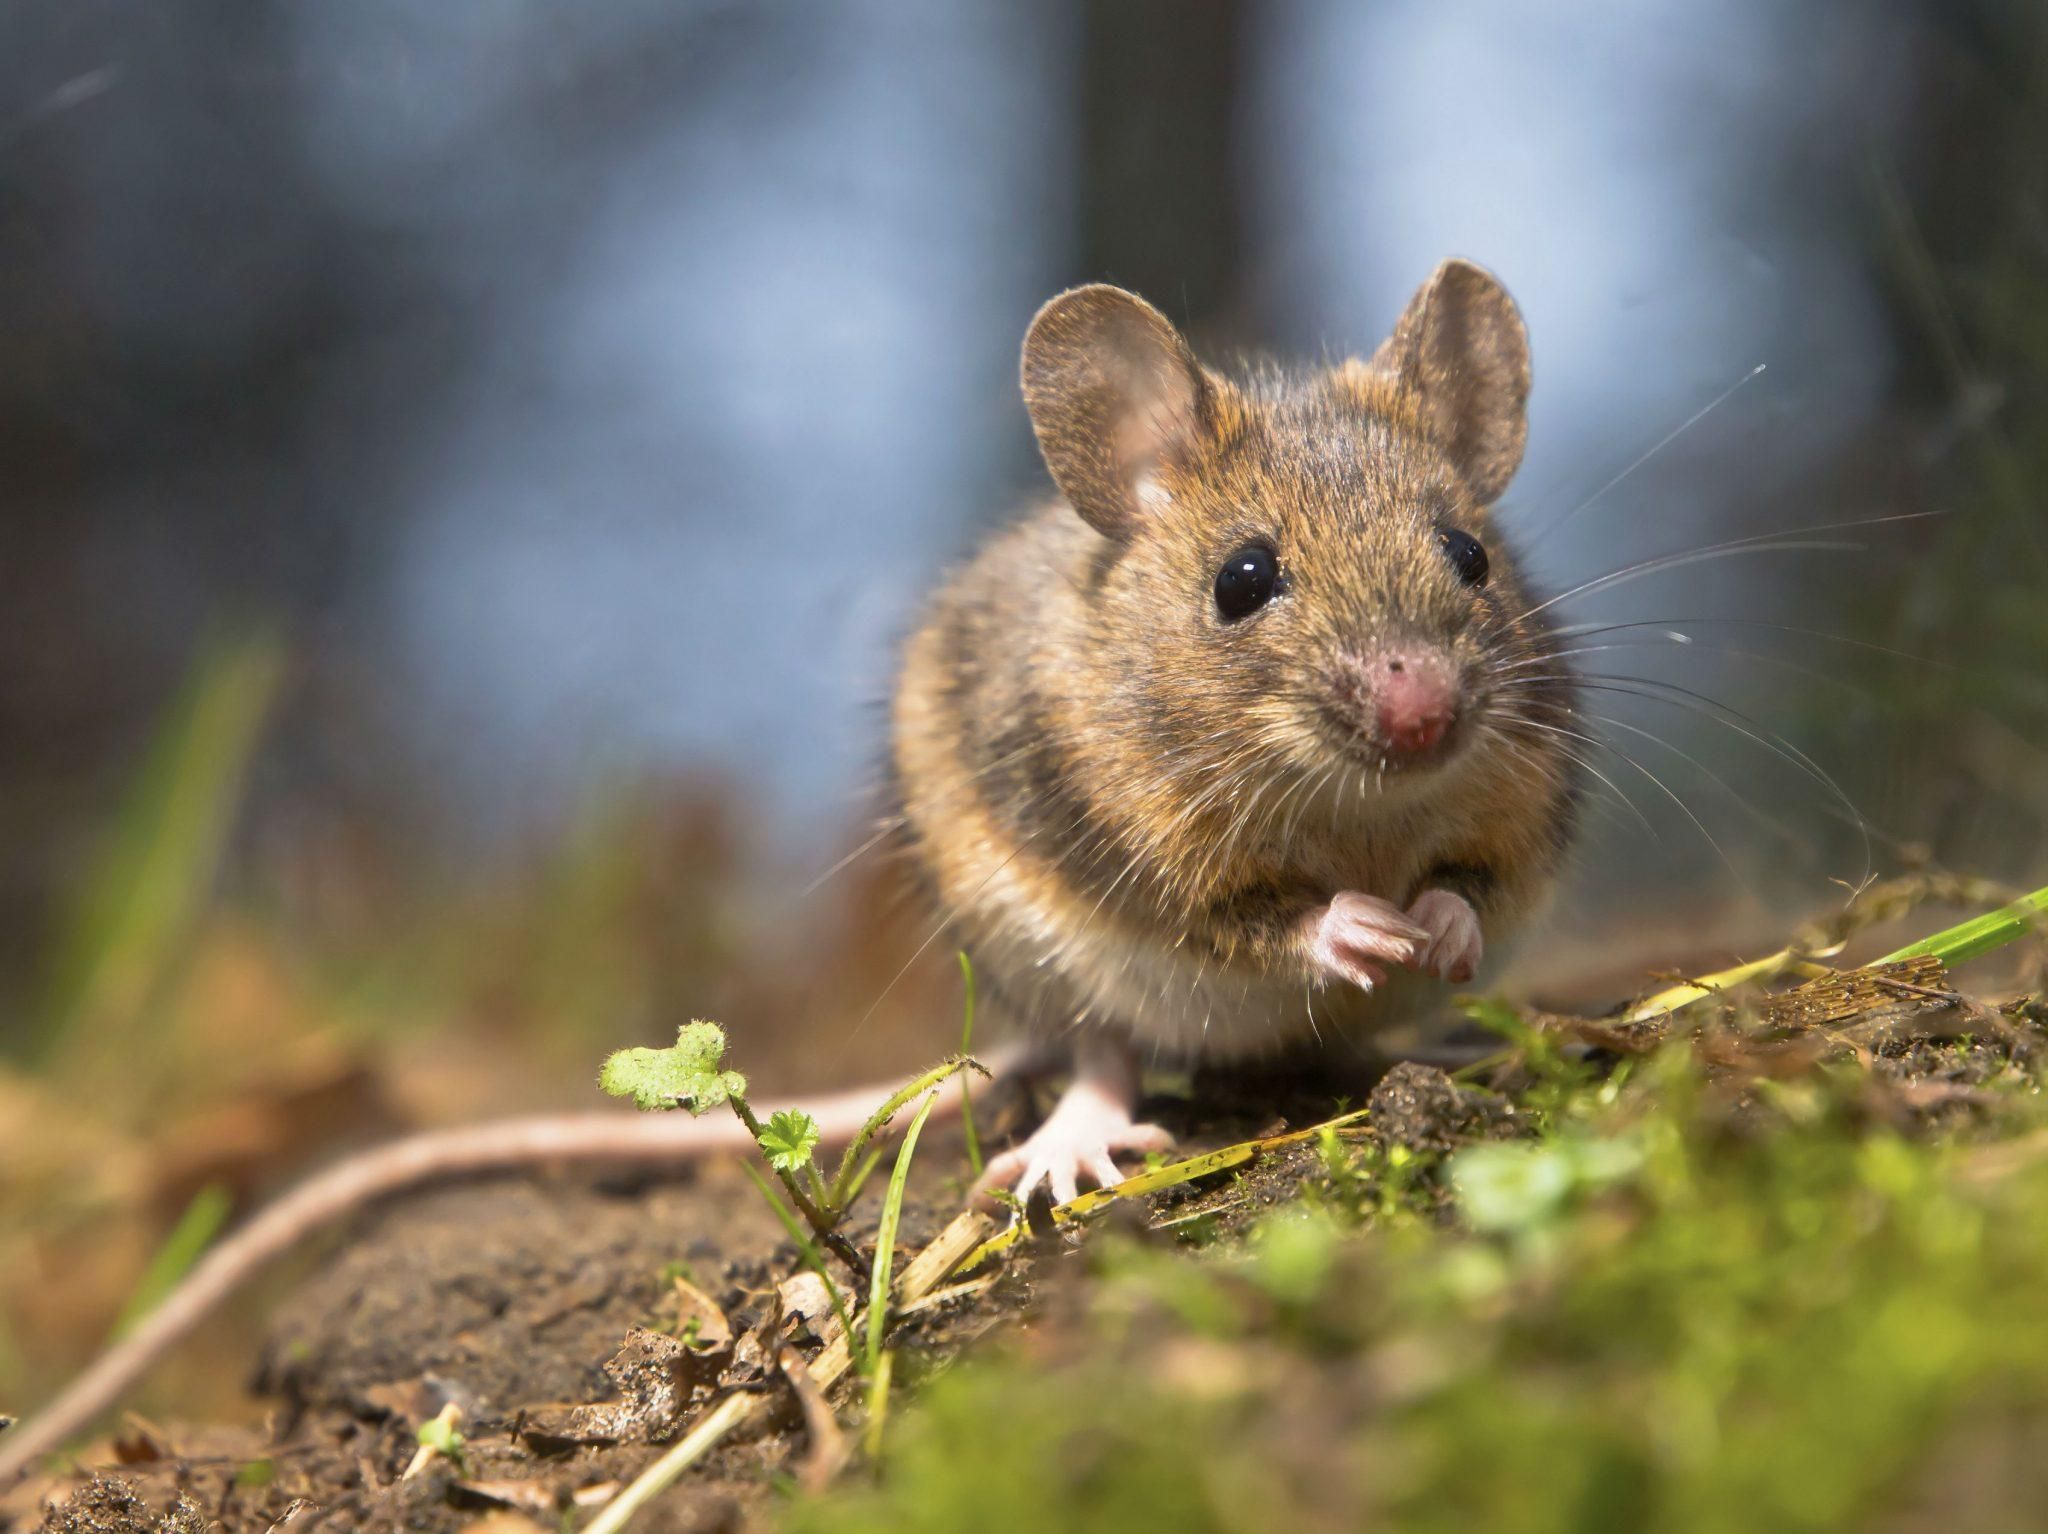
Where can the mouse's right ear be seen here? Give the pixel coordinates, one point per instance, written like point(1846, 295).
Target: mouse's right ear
point(1461, 354)
point(1114, 392)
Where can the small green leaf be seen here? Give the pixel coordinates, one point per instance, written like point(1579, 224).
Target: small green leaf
point(788, 1139)
point(685, 1075)
point(442, 1436)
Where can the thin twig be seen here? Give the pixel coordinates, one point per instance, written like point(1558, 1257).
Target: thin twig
point(965, 1289)
point(663, 1473)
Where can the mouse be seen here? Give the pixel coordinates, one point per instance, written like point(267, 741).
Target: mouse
point(1254, 735)
point(1251, 735)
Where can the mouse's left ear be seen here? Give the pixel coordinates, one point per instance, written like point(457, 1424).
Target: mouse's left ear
point(1460, 357)
point(1114, 393)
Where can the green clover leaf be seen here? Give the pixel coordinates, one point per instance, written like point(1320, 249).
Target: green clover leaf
point(789, 1137)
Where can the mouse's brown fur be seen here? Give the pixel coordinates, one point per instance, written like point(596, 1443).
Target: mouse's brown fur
point(1126, 805)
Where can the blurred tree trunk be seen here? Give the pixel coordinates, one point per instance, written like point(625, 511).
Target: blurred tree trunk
point(1162, 82)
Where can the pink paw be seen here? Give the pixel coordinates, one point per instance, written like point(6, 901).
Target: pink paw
point(1080, 1138)
point(1360, 938)
point(1455, 945)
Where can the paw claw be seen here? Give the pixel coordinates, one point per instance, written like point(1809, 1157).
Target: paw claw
point(1081, 1138)
point(1455, 944)
point(1361, 938)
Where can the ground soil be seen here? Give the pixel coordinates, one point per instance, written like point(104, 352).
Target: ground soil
point(510, 1297)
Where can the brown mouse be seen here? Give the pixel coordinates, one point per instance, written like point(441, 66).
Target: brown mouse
point(1249, 738)
point(1254, 728)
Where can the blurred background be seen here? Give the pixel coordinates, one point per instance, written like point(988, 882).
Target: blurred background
point(464, 468)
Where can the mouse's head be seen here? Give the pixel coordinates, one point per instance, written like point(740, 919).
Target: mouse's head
point(1305, 562)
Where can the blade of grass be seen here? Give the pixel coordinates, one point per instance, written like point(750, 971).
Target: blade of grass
point(879, 1119)
point(189, 1238)
point(1966, 940)
point(878, 1405)
point(1673, 998)
point(154, 875)
point(1981, 934)
point(967, 1051)
point(862, 1172)
point(885, 1234)
point(807, 1248)
point(1152, 1180)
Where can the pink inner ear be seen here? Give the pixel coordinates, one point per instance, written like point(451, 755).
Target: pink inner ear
point(1158, 425)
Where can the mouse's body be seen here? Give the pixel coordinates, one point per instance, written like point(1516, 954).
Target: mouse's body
point(1252, 738)
point(1253, 735)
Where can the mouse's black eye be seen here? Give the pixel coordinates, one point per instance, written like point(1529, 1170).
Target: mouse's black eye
point(1466, 554)
point(1246, 582)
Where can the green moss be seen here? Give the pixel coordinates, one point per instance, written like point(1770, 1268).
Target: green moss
point(1794, 1327)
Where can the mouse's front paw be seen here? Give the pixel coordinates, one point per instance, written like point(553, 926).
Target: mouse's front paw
point(1360, 938)
point(1455, 945)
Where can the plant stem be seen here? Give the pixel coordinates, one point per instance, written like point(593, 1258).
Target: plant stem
point(807, 1249)
point(879, 1119)
point(860, 1175)
point(816, 1216)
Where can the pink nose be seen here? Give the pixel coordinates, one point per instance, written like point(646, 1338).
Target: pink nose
point(1415, 698)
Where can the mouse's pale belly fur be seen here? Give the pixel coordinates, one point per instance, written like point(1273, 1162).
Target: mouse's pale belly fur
point(1014, 831)
point(1065, 960)
point(1173, 1002)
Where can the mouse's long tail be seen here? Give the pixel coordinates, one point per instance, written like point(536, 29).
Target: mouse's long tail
point(598, 1137)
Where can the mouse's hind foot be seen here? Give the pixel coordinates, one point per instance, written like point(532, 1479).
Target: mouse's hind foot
point(1093, 1123)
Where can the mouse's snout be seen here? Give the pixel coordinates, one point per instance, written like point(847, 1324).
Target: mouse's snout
point(1405, 699)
